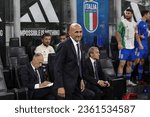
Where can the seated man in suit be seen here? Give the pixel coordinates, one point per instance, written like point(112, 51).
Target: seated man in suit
point(94, 75)
point(45, 49)
point(32, 76)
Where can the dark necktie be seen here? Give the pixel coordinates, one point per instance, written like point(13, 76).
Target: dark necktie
point(78, 60)
point(95, 71)
point(37, 76)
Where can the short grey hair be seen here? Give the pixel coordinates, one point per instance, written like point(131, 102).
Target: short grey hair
point(91, 50)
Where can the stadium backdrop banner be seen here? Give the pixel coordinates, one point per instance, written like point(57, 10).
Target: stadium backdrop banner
point(93, 16)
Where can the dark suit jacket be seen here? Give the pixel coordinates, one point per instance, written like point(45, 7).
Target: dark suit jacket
point(101, 92)
point(29, 78)
point(66, 69)
point(89, 72)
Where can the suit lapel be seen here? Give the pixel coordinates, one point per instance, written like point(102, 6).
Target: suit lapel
point(73, 48)
point(32, 71)
point(90, 65)
point(81, 51)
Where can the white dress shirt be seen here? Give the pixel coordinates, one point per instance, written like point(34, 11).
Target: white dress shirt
point(75, 46)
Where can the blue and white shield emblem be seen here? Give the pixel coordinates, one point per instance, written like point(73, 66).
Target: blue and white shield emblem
point(90, 11)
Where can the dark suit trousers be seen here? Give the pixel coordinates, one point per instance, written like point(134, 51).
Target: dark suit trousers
point(101, 92)
point(71, 95)
point(88, 94)
point(75, 95)
point(44, 93)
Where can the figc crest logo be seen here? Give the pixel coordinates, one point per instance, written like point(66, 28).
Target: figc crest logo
point(90, 11)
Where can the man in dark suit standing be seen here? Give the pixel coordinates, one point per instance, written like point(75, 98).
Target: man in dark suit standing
point(94, 75)
point(32, 76)
point(68, 65)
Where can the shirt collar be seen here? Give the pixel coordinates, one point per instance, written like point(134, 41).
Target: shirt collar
point(32, 66)
point(92, 60)
point(74, 42)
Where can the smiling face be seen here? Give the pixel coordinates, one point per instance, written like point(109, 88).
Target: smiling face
point(75, 31)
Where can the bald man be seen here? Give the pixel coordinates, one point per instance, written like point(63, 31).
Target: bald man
point(68, 65)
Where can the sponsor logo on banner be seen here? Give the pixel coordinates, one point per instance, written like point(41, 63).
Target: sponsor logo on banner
point(90, 11)
point(38, 32)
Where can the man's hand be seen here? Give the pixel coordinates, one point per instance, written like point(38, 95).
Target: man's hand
point(148, 33)
point(120, 46)
point(102, 83)
point(107, 83)
point(142, 36)
point(141, 47)
point(61, 92)
point(44, 84)
point(82, 85)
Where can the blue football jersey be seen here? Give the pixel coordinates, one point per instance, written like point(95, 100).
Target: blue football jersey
point(143, 30)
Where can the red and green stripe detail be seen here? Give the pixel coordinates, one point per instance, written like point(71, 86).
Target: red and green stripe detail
point(91, 20)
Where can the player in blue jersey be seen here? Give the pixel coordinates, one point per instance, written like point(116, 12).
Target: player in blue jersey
point(142, 54)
